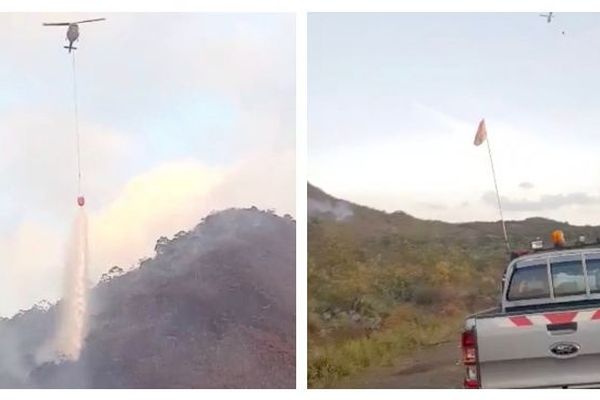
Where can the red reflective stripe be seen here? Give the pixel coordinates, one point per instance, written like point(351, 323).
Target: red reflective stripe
point(561, 318)
point(521, 320)
point(553, 318)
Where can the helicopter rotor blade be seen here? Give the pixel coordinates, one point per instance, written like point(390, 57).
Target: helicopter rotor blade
point(56, 24)
point(90, 20)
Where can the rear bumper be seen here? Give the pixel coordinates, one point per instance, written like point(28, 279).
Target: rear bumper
point(577, 386)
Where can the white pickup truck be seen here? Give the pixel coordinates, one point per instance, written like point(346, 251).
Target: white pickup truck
point(546, 332)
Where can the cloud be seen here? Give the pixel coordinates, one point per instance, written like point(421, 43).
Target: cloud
point(159, 202)
point(42, 160)
point(433, 206)
point(246, 59)
point(266, 180)
point(168, 198)
point(30, 257)
point(526, 185)
point(545, 202)
point(175, 196)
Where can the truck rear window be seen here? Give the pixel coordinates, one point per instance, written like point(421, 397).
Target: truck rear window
point(593, 273)
point(567, 278)
point(529, 283)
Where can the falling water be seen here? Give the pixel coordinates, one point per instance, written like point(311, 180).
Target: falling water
point(73, 312)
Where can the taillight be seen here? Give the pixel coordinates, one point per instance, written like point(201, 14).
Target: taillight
point(468, 348)
point(471, 380)
point(469, 351)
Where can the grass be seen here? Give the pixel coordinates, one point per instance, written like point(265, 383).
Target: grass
point(406, 330)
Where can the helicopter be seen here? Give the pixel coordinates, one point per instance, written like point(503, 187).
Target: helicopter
point(548, 16)
point(73, 31)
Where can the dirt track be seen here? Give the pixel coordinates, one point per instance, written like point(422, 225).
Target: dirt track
point(430, 368)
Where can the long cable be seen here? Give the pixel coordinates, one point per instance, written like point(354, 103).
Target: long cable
point(76, 125)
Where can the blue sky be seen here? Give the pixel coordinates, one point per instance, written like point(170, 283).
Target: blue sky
point(202, 105)
point(395, 99)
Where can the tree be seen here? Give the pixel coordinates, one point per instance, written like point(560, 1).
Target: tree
point(180, 234)
point(161, 245)
point(113, 272)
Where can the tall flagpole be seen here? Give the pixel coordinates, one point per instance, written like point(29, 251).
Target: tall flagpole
point(487, 140)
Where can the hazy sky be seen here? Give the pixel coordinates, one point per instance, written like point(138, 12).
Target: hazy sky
point(395, 100)
point(179, 115)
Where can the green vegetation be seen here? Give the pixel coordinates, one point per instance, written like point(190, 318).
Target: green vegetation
point(381, 285)
point(405, 330)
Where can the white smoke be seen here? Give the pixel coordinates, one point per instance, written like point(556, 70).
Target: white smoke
point(340, 209)
point(71, 331)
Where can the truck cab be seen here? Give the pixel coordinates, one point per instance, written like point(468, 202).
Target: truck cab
point(546, 331)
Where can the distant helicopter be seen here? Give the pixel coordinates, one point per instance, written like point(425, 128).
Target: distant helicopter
point(548, 16)
point(73, 31)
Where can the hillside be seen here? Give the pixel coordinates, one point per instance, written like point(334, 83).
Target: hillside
point(386, 283)
point(369, 223)
point(215, 307)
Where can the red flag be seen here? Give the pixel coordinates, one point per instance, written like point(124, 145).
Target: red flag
point(481, 134)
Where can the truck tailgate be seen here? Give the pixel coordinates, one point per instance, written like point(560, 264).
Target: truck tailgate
point(553, 349)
